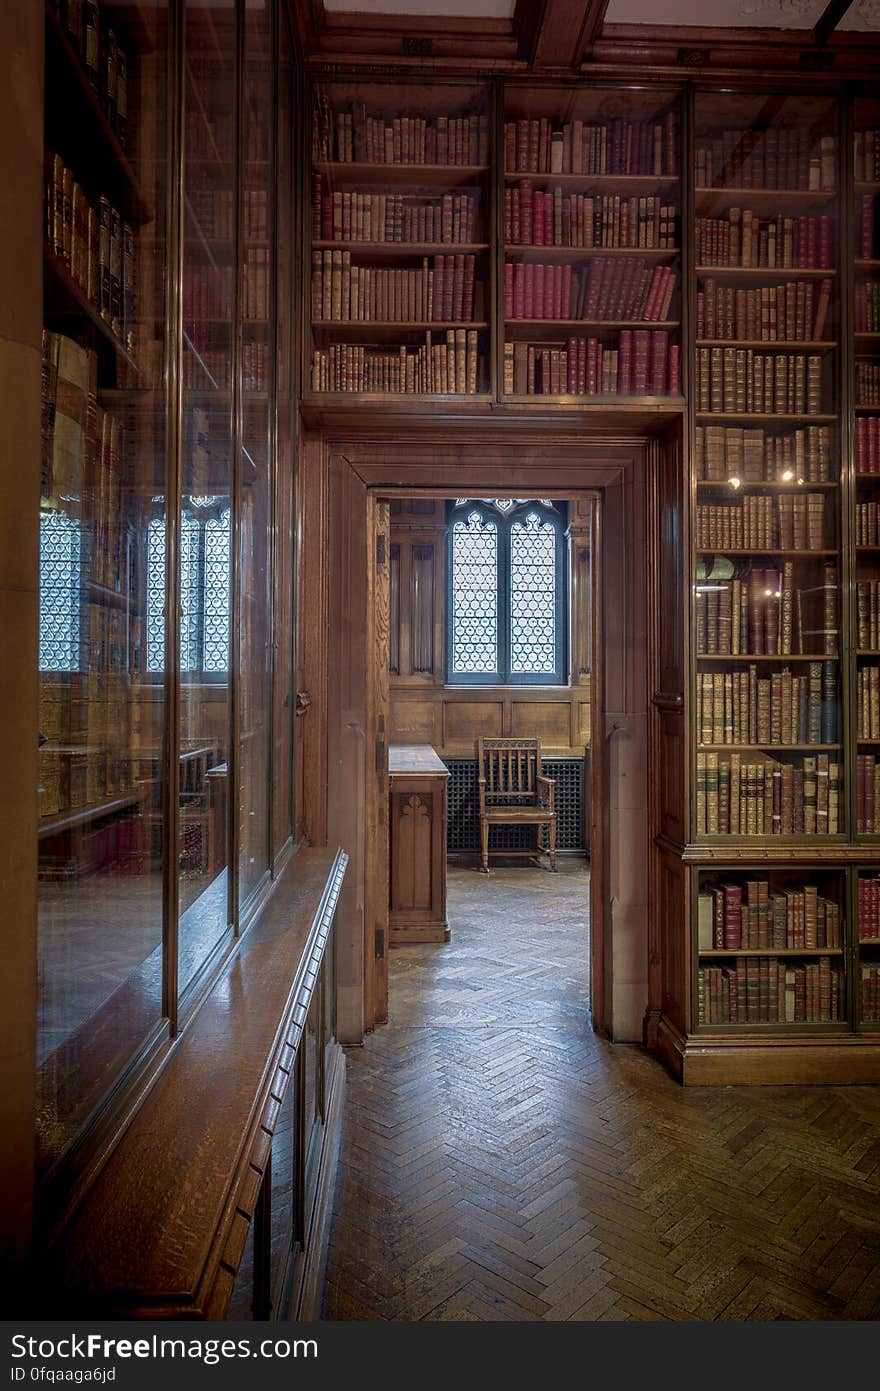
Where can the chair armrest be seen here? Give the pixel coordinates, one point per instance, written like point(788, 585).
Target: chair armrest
point(546, 792)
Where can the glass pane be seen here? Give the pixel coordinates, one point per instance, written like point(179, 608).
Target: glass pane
point(474, 596)
point(533, 597)
point(208, 313)
point(255, 516)
point(287, 310)
point(103, 482)
point(284, 1193)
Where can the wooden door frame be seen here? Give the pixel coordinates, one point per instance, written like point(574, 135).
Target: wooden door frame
point(378, 704)
point(459, 458)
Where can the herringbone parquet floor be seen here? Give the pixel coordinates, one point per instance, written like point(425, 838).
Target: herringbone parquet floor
point(500, 1162)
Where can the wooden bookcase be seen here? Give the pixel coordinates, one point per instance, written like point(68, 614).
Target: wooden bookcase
point(399, 289)
point(589, 225)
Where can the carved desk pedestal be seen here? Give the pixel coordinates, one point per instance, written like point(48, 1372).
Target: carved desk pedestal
point(417, 909)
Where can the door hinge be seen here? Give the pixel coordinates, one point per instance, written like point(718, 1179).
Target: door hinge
point(380, 549)
point(380, 943)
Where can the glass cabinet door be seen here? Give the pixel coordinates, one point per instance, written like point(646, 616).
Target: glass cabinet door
point(100, 957)
point(206, 478)
point(257, 384)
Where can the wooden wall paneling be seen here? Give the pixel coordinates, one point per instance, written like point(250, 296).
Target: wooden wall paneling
point(376, 675)
point(418, 846)
point(580, 524)
point(345, 695)
point(394, 654)
point(423, 604)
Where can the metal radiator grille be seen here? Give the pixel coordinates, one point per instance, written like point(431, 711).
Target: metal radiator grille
point(462, 826)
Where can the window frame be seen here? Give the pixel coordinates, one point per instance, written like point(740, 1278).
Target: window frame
point(201, 519)
point(503, 522)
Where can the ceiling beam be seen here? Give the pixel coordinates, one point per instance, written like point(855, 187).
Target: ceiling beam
point(566, 32)
point(829, 19)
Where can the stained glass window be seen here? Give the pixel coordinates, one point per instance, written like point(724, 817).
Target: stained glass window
point(474, 596)
point(204, 594)
point(506, 593)
point(59, 592)
point(533, 543)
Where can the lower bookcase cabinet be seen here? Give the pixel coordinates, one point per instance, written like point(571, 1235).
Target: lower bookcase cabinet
point(867, 943)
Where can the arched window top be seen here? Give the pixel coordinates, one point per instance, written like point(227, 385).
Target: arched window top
point(505, 591)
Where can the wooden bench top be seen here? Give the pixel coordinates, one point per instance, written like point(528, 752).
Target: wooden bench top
point(415, 760)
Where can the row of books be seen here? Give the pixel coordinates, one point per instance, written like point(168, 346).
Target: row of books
point(794, 311)
point(723, 452)
point(95, 42)
point(82, 458)
point(391, 217)
point(774, 157)
point(867, 306)
point(737, 380)
point(355, 136)
point(765, 990)
point(206, 369)
point(762, 614)
point(533, 217)
point(868, 383)
point(869, 241)
point(541, 146)
point(869, 907)
point(255, 284)
point(789, 522)
point(868, 702)
point(866, 155)
point(255, 214)
point(441, 289)
point(740, 707)
point(868, 614)
point(600, 291)
point(867, 444)
point(644, 364)
point(768, 797)
point(452, 366)
point(867, 794)
point(212, 210)
point(753, 916)
point(869, 983)
point(743, 238)
point(868, 524)
point(96, 244)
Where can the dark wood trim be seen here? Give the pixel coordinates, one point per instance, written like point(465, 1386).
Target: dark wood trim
point(189, 1166)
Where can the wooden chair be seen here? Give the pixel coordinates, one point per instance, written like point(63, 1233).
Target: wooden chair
point(514, 792)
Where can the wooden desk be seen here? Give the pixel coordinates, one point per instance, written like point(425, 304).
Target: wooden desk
point(417, 781)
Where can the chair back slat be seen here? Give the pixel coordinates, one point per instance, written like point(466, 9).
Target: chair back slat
point(510, 768)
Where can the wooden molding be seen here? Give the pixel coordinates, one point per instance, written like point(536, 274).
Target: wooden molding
point(687, 52)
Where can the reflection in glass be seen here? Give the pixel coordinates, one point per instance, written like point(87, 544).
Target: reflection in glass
point(208, 321)
point(99, 953)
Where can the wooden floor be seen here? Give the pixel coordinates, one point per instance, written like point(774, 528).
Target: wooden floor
point(500, 1162)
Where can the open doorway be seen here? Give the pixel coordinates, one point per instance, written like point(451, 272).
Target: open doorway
point(487, 693)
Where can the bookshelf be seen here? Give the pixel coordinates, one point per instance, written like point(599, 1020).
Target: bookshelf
point(589, 232)
point(168, 389)
point(773, 944)
point(865, 428)
point(400, 279)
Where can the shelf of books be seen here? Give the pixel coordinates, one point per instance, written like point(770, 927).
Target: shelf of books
point(767, 565)
point(771, 949)
point(400, 292)
point(590, 238)
point(103, 458)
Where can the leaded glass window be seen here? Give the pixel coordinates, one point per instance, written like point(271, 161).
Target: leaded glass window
point(506, 591)
point(59, 592)
point(204, 593)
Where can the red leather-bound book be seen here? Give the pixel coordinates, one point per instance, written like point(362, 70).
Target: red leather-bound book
point(641, 341)
point(593, 364)
point(317, 206)
point(438, 289)
point(571, 354)
point(825, 242)
point(625, 363)
point(509, 236)
point(519, 291)
point(674, 380)
point(457, 312)
point(535, 227)
point(525, 211)
point(538, 309)
point(565, 309)
point(508, 290)
point(659, 354)
point(529, 307)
